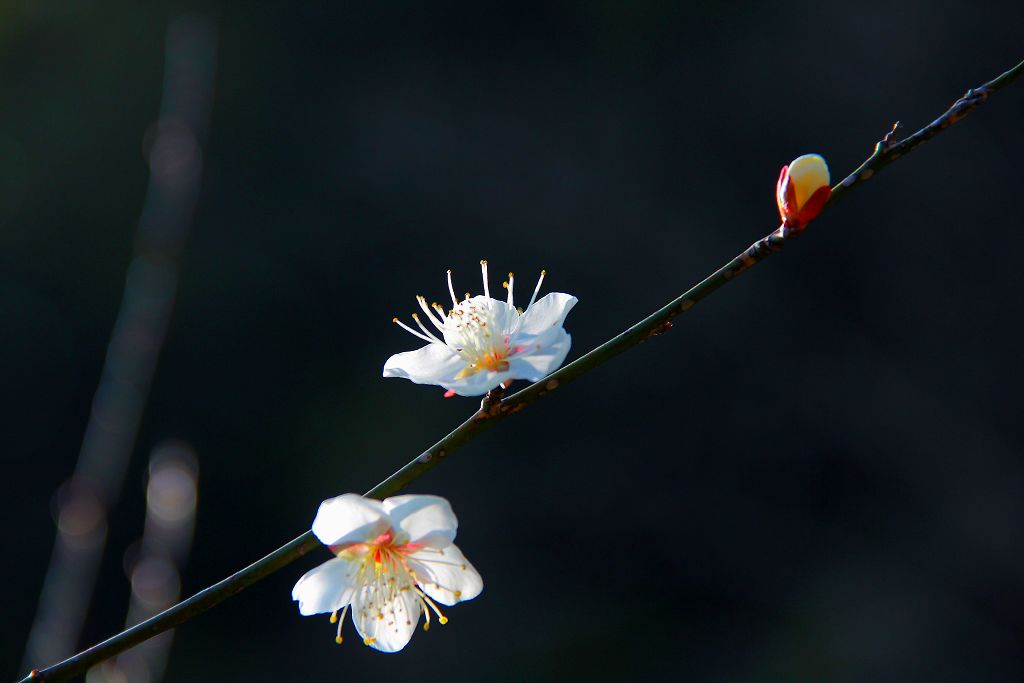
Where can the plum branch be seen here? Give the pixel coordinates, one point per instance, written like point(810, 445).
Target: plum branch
point(495, 407)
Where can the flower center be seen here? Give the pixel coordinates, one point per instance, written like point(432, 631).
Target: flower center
point(383, 576)
point(477, 328)
point(480, 340)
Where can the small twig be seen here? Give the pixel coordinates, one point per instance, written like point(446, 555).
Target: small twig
point(887, 151)
point(491, 412)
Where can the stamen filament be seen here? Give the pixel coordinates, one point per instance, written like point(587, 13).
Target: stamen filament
point(438, 323)
point(483, 270)
point(535, 290)
point(442, 619)
point(426, 613)
point(451, 289)
point(412, 331)
point(425, 330)
point(341, 622)
point(511, 282)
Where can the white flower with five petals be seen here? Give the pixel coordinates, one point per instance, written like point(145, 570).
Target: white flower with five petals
point(395, 560)
point(482, 342)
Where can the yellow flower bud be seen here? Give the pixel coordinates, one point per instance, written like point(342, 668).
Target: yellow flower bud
point(802, 191)
point(807, 173)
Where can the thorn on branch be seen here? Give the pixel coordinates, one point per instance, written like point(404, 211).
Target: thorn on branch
point(890, 138)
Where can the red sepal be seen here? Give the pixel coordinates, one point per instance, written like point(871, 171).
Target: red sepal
point(780, 191)
point(815, 203)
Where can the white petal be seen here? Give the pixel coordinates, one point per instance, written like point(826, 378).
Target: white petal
point(428, 365)
point(390, 628)
point(350, 518)
point(325, 588)
point(478, 383)
point(548, 311)
point(542, 356)
point(446, 575)
point(427, 520)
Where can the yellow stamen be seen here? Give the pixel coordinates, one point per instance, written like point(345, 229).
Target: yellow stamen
point(341, 622)
point(441, 618)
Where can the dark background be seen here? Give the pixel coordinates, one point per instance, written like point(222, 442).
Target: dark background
point(817, 475)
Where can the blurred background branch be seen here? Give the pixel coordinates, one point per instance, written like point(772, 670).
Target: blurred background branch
point(154, 568)
point(491, 411)
point(173, 146)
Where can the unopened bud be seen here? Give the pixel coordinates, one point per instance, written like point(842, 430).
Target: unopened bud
point(802, 191)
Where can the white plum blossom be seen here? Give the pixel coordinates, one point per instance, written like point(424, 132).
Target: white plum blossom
point(482, 342)
point(395, 560)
